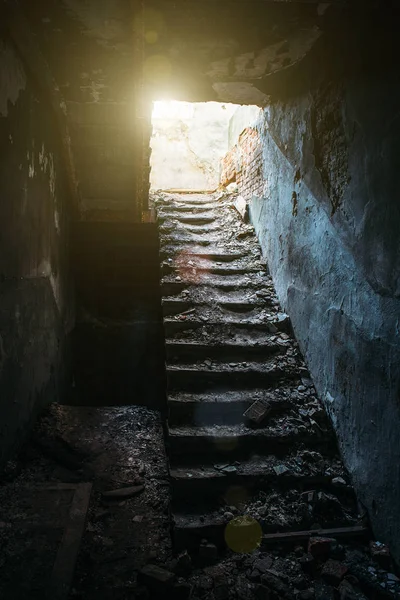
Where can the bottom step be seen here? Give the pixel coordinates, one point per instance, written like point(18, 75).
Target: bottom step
point(190, 532)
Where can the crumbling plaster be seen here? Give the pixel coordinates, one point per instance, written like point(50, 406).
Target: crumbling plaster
point(327, 223)
point(36, 308)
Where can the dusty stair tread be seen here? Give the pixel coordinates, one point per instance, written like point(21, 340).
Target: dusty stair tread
point(225, 367)
point(258, 278)
point(233, 305)
point(277, 402)
point(176, 307)
point(170, 286)
point(209, 268)
point(228, 261)
point(215, 255)
point(171, 209)
point(226, 407)
point(174, 236)
point(198, 219)
point(190, 200)
point(170, 226)
point(190, 528)
point(258, 468)
point(215, 346)
point(213, 294)
point(218, 251)
point(238, 440)
point(221, 330)
point(223, 431)
point(221, 376)
point(220, 314)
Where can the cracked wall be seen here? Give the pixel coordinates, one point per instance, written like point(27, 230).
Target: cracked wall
point(35, 300)
point(327, 224)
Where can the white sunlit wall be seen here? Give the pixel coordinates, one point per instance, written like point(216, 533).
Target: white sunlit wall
point(188, 142)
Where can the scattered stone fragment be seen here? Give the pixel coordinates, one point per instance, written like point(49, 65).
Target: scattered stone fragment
point(323, 591)
point(348, 592)
point(241, 206)
point(308, 497)
point(230, 469)
point(221, 466)
point(183, 563)
point(156, 578)
point(333, 572)
point(263, 564)
point(339, 481)
point(381, 554)
point(280, 469)
point(243, 589)
point(274, 582)
point(257, 412)
point(320, 547)
point(138, 518)
point(123, 493)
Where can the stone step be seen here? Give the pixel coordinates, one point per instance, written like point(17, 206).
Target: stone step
point(199, 219)
point(197, 295)
point(189, 200)
point(209, 255)
point(190, 528)
point(221, 376)
point(226, 328)
point(195, 208)
point(177, 307)
point(175, 228)
point(201, 271)
point(231, 442)
point(192, 484)
point(171, 285)
point(224, 408)
point(173, 237)
point(188, 352)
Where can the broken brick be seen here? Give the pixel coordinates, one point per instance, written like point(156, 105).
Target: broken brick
point(333, 572)
point(381, 554)
point(156, 578)
point(320, 547)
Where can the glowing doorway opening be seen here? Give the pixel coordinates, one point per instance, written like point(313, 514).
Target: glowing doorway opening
point(188, 143)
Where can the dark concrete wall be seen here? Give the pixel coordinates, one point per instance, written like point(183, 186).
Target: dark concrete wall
point(329, 223)
point(118, 341)
point(35, 289)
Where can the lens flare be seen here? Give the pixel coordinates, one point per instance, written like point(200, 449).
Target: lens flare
point(151, 36)
point(243, 534)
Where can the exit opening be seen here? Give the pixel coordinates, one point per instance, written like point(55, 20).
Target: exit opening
point(191, 140)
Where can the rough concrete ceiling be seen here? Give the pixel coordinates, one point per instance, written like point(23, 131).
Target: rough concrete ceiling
point(193, 51)
point(102, 53)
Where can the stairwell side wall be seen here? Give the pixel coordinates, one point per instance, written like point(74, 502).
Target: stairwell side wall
point(328, 223)
point(36, 294)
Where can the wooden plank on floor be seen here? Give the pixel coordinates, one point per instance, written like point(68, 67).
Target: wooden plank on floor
point(300, 536)
point(64, 566)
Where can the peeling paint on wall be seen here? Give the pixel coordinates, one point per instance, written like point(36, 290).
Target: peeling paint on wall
point(12, 77)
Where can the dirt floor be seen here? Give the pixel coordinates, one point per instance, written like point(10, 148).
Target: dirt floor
point(126, 550)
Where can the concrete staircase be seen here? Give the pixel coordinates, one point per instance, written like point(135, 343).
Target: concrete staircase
point(228, 345)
